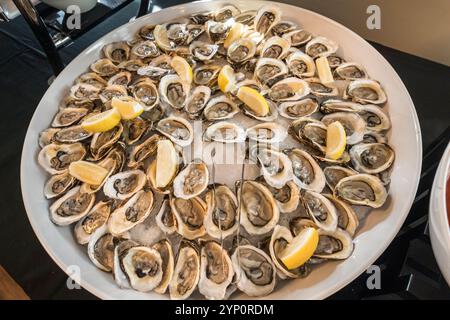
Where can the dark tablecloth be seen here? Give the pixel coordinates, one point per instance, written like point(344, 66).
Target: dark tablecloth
point(24, 73)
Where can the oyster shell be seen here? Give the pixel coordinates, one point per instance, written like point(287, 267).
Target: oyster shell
point(122, 79)
point(187, 272)
point(131, 213)
point(173, 91)
point(93, 79)
point(206, 75)
point(320, 47)
point(124, 184)
point(71, 134)
point(189, 215)
point(321, 90)
point(95, 219)
point(58, 184)
point(350, 71)
point(191, 181)
point(165, 218)
point(71, 207)
point(177, 129)
point(375, 118)
point(372, 158)
point(113, 91)
point(276, 167)
point(320, 210)
point(289, 89)
point(258, 210)
point(241, 50)
point(221, 216)
point(266, 18)
point(203, 51)
point(46, 136)
point(255, 272)
point(56, 158)
point(104, 67)
point(145, 49)
point(224, 131)
point(134, 129)
point(307, 173)
point(84, 91)
point(143, 151)
point(220, 108)
point(102, 142)
point(310, 131)
point(333, 174)
point(217, 31)
point(335, 245)
point(69, 116)
point(287, 197)
point(301, 65)
point(284, 27)
point(347, 219)
point(117, 52)
point(298, 37)
point(164, 247)
point(267, 69)
point(365, 91)
point(101, 249)
point(216, 271)
point(361, 189)
point(298, 109)
point(267, 133)
point(197, 101)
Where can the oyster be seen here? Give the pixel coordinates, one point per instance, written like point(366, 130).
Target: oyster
point(334, 61)
point(46, 137)
point(118, 269)
point(287, 197)
point(347, 219)
point(372, 158)
point(143, 267)
point(102, 142)
point(145, 49)
point(153, 73)
point(246, 17)
point(131, 65)
point(197, 101)
point(187, 272)
point(241, 50)
point(336, 245)
point(112, 91)
point(375, 118)
point(134, 129)
point(268, 69)
point(117, 52)
point(84, 91)
point(189, 215)
point(93, 79)
point(320, 47)
point(298, 109)
point(373, 137)
point(255, 272)
point(203, 51)
point(226, 132)
point(146, 93)
point(177, 129)
point(297, 37)
point(226, 12)
point(310, 131)
point(258, 210)
point(206, 75)
point(69, 116)
point(307, 173)
point(71, 207)
point(164, 247)
point(221, 216)
point(216, 271)
point(173, 91)
point(133, 212)
point(104, 68)
point(194, 31)
point(333, 174)
point(289, 89)
point(365, 91)
point(267, 133)
point(217, 31)
point(56, 158)
point(361, 189)
point(110, 165)
point(143, 151)
point(301, 65)
point(271, 116)
point(284, 27)
point(320, 210)
point(165, 218)
point(220, 108)
point(276, 167)
point(266, 18)
point(124, 184)
point(351, 71)
point(95, 219)
point(191, 181)
point(353, 124)
point(101, 249)
point(71, 134)
point(58, 184)
point(275, 48)
point(321, 90)
point(336, 105)
point(122, 79)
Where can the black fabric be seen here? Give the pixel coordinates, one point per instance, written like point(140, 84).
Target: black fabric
point(23, 80)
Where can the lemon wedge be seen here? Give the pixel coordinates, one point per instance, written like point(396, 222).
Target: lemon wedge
point(300, 249)
point(182, 68)
point(324, 70)
point(127, 107)
point(226, 79)
point(235, 33)
point(102, 122)
point(336, 140)
point(161, 38)
point(166, 163)
point(88, 172)
point(254, 101)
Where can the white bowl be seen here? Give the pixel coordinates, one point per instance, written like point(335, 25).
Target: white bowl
point(378, 230)
point(439, 224)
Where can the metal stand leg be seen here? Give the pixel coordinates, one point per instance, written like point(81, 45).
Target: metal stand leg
point(145, 7)
point(37, 25)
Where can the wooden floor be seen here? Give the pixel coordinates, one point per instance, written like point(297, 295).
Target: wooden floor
point(9, 289)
